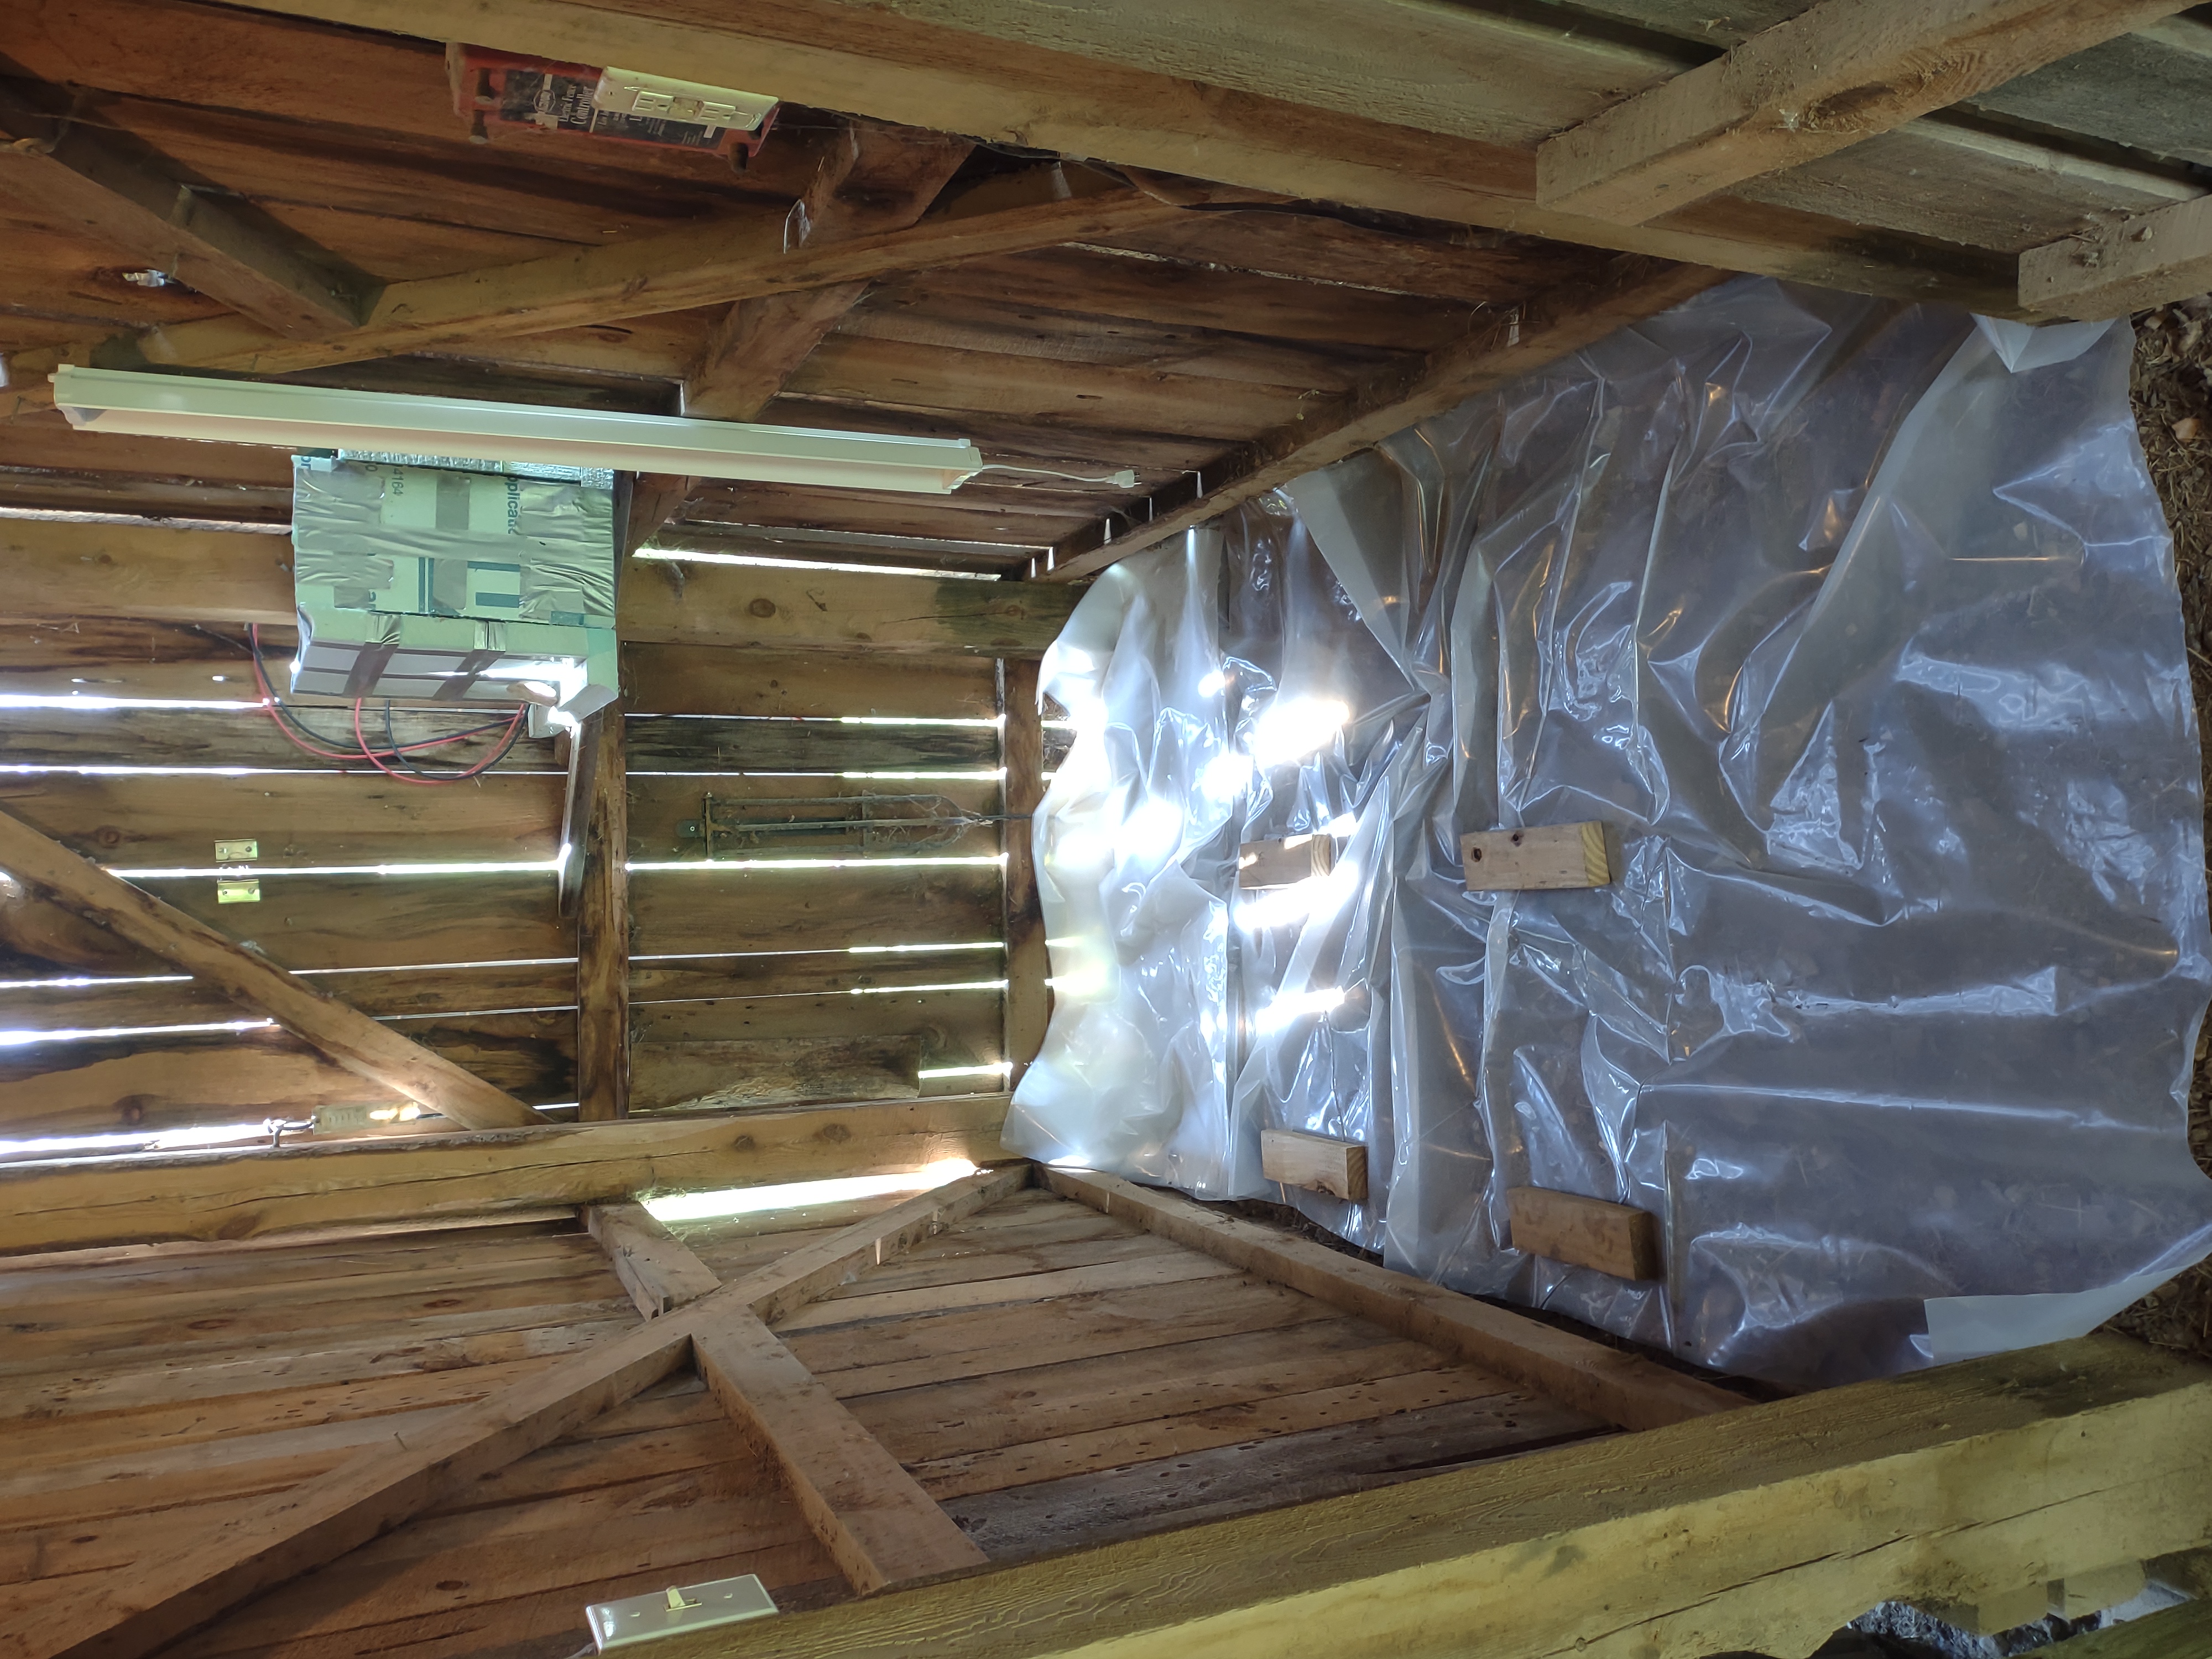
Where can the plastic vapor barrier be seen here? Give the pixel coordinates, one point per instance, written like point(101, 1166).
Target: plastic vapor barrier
point(1856, 625)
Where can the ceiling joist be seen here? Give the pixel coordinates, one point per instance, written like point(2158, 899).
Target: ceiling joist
point(2149, 260)
point(1830, 76)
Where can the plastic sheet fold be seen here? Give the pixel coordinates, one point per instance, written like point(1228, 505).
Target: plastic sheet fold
point(1855, 624)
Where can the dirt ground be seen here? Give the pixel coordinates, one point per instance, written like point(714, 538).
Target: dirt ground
point(2174, 412)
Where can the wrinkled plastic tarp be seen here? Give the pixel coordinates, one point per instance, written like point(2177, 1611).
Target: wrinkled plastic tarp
point(1857, 623)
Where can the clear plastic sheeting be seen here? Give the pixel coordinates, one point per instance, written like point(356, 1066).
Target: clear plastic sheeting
point(1855, 624)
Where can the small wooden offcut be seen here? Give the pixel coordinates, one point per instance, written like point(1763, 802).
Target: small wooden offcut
point(1535, 858)
point(1280, 863)
point(1586, 1233)
point(1315, 1162)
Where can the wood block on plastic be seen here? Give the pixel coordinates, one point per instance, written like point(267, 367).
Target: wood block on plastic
point(2081, 1594)
point(1337, 1167)
point(1280, 863)
point(1585, 1232)
point(1536, 858)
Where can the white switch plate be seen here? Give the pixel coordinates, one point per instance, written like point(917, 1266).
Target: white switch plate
point(633, 93)
point(686, 1607)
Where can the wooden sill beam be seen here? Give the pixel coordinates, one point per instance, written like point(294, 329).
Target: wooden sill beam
point(121, 194)
point(1762, 1531)
point(875, 179)
point(133, 1613)
point(1501, 347)
point(742, 257)
point(256, 1194)
point(1840, 72)
point(1619, 1387)
point(2149, 260)
point(363, 1046)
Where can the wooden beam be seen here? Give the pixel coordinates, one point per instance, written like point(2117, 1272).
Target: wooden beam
point(121, 194)
point(878, 1526)
point(1256, 97)
point(1764, 1531)
point(603, 921)
point(1500, 349)
point(1618, 1387)
point(258, 1194)
point(1021, 791)
point(2149, 260)
point(373, 1491)
point(2178, 1632)
point(1835, 74)
point(362, 1045)
point(741, 258)
point(655, 1267)
point(151, 572)
point(875, 179)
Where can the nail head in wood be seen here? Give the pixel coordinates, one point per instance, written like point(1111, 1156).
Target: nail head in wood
point(1535, 858)
point(1585, 1232)
point(1315, 1162)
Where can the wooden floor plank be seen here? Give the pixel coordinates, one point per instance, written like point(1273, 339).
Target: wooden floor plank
point(978, 1342)
point(1144, 1272)
point(980, 1258)
point(1246, 1423)
point(1083, 1511)
point(1074, 1396)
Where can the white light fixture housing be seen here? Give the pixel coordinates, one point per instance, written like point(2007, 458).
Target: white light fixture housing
point(314, 417)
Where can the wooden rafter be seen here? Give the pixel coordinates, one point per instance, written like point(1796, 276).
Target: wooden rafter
point(2145, 261)
point(127, 198)
point(362, 1045)
point(322, 1518)
point(875, 179)
point(1260, 99)
point(741, 258)
point(1620, 1387)
point(1762, 1531)
point(1831, 76)
point(1500, 348)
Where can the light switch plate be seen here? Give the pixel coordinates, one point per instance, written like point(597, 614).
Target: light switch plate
point(631, 92)
point(638, 1619)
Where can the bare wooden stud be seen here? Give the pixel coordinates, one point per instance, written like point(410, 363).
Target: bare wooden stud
point(655, 1267)
point(878, 1526)
point(131, 1614)
point(1028, 962)
point(1621, 1388)
point(1336, 1167)
point(1841, 71)
point(1282, 863)
point(348, 1037)
point(1536, 858)
point(1585, 1232)
point(603, 921)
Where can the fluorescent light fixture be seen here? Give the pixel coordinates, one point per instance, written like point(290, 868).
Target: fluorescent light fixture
point(314, 417)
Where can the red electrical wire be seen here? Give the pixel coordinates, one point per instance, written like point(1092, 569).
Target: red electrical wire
point(269, 706)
